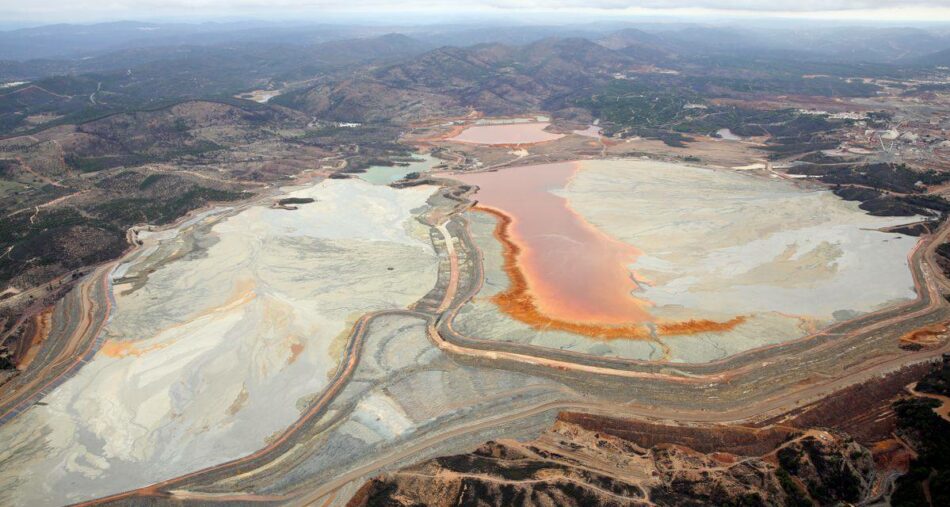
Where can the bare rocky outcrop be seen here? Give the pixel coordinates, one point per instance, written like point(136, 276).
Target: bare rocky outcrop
point(571, 464)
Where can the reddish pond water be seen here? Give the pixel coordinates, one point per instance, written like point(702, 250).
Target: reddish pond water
point(515, 133)
point(571, 270)
point(564, 274)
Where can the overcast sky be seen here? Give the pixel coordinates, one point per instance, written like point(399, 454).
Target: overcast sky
point(95, 10)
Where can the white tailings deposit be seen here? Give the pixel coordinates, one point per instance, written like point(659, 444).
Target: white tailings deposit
point(222, 331)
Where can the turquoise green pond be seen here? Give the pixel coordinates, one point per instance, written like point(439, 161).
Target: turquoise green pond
point(384, 175)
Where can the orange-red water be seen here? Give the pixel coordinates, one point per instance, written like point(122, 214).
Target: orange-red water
point(565, 274)
point(571, 269)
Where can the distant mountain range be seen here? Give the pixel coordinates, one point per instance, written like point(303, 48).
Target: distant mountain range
point(941, 58)
point(82, 41)
point(494, 78)
point(874, 44)
point(81, 72)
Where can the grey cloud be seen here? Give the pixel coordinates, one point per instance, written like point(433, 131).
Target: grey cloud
point(745, 5)
point(749, 5)
point(119, 9)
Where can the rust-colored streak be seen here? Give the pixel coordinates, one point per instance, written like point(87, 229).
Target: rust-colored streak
point(120, 349)
point(518, 302)
point(295, 349)
point(29, 348)
point(928, 337)
point(694, 326)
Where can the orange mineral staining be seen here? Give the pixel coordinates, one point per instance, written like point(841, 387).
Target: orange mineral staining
point(928, 337)
point(120, 349)
point(295, 350)
point(41, 325)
